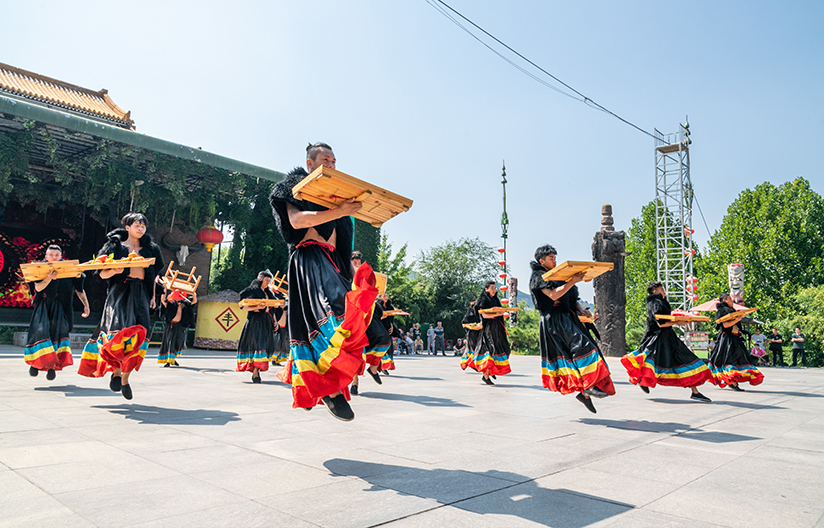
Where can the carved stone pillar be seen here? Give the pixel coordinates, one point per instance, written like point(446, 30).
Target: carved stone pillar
point(610, 291)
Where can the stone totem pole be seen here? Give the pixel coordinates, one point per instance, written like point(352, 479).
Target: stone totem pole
point(610, 291)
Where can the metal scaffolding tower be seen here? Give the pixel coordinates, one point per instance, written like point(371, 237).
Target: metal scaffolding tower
point(673, 216)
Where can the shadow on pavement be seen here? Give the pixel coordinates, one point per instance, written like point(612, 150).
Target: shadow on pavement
point(159, 415)
point(683, 430)
point(414, 378)
point(492, 492)
point(788, 393)
point(429, 401)
point(743, 405)
point(74, 391)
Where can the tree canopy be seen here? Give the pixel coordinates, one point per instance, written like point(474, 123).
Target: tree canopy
point(777, 233)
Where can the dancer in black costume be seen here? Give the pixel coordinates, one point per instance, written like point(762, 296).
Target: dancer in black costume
point(280, 317)
point(662, 358)
point(570, 360)
point(473, 337)
point(256, 345)
point(492, 356)
point(119, 343)
point(730, 361)
point(178, 315)
point(327, 317)
point(48, 347)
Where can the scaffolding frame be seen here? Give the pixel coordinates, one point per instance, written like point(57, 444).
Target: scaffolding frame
point(673, 216)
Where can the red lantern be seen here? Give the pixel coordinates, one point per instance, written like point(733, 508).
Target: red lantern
point(209, 236)
point(503, 288)
point(503, 276)
point(501, 250)
point(502, 262)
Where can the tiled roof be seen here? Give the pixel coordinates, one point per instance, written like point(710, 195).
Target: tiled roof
point(36, 87)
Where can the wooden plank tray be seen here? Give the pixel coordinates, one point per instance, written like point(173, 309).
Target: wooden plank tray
point(731, 316)
point(115, 264)
point(37, 271)
point(380, 282)
point(474, 326)
point(498, 310)
point(566, 270)
point(391, 313)
point(256, 303)
point(330, 187)
point(585, 319)
point(683, 318)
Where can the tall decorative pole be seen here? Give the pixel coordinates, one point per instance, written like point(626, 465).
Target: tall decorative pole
point(510, 286)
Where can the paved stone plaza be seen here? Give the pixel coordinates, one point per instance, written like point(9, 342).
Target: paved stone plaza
point(200, 445)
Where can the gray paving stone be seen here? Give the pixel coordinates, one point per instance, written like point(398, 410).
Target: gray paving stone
point(92, 474)
point(139, 502)
point(201, 446)
point(248, 514)
point(253, 481)
point(348, 503)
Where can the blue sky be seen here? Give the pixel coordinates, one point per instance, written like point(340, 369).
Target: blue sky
point(413, 104)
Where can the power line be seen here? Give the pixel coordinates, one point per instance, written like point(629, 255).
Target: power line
point(581, 97)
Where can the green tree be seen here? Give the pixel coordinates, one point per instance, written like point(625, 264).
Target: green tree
point(639, 266)
point(777, 233)
point(402, 286)
point(455, 272)
point(257, 244)
point(525, 336)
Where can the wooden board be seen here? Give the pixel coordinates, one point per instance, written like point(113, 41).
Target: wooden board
point(254, 303)
point(330, 187)
point(498, 310)
point(380, 282)
point(566, 270)
point(180, 285)
point(392, 313)
point(37, 271)
point(683, 318)
point(585, 319)
point(730, 317)
point(279, 284)
point(474, 326)
point(115, 264)
point(177, 280)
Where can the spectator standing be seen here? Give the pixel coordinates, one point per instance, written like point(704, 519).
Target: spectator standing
point(798, 347)
point(775, 347)
point(439, 339)
point(430, 339)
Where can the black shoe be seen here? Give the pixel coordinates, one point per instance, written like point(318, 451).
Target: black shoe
point(697, 396)
point(587, 402)
point(50, 375)
point(339, 407)
point(375, 376)
point(736, 388)
point(126, 390)
point(494, 377)
point(488, 381)
point(177, 364)
point(167, 365)
point(595, 392)
point(353, 390)
point(116, 383)
point(385, 372)
point(645, 389)
point(256, 379)
point(33, 372)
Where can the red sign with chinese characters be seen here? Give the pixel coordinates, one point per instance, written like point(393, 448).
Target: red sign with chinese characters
point(227, 319)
